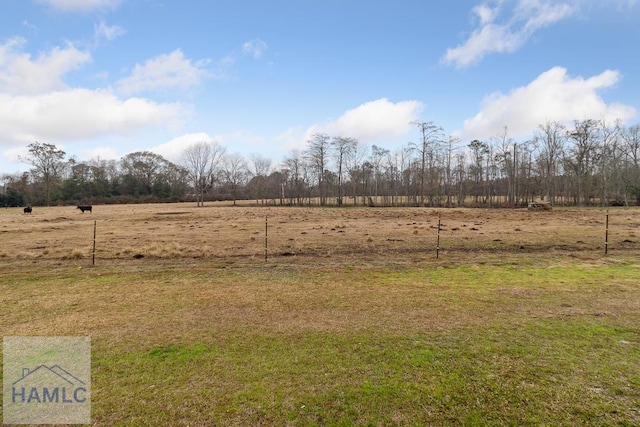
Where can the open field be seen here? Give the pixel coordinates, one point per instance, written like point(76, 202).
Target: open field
point(237, 234)
point(351, 319)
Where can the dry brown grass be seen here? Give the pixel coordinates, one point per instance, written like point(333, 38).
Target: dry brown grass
point(352, 321)
point(219, 232)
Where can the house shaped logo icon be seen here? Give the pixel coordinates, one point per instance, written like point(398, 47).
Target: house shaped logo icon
point(46, 380)
point(48, 384)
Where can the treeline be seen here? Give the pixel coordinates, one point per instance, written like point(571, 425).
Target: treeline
point(587, 164)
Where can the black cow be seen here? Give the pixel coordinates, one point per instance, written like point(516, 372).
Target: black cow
point(85, 208)
point(28, 209)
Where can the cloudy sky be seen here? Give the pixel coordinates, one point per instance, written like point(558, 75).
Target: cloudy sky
point(103, 78)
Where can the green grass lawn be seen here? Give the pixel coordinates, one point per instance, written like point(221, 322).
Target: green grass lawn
point(551, 342)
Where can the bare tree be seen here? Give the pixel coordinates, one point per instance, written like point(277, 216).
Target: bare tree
point(378, 154)
point(354, 164)
point(318, 156)
point(583, 157)
point(294, 166)
point(431, 135)
point(479, 151)
point(526, 188)
point(396, 165)
point(143, 170)
point(451, 142)
point(407, 175)
point(550, 138)
point(48, 163)
point(234, 171)
point(103, 174)
point(608, 158)
point(460, 176)
point(507, 157)
point(342, 147)
point(202, 160)
point(631, 152)
point(176, 179)
point(259, 169)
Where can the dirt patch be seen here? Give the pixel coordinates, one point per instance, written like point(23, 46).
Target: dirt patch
point(173, 213)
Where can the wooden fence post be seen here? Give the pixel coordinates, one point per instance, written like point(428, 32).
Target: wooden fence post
point(266, 236)
point(93, 252)
point(438, 239)
point(606, 234)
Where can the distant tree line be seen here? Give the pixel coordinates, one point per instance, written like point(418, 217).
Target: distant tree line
point(591, 163)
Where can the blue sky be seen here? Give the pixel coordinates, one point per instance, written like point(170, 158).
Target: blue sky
point(103, 78)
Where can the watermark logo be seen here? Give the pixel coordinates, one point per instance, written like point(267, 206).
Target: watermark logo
point(46, 380)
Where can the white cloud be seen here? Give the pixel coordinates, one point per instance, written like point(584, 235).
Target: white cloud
point(527, 17)
point(29, 26)
point(241, 141)
point(21, 74)
point(485, 13)
point(255, 48)
point(103, 153)
point(553, 95)
point(377, 120)
point(36, 105)
point(294, 138)
point(172, 150)
point(373, 121)
point(14, 154)
point(102, 31)
point(78, 114)
point(81, 5)
point(171, 70)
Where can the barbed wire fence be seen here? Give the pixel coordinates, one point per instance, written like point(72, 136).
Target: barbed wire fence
point(278, 234)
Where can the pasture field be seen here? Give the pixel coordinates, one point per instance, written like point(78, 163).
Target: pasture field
point(350, 320)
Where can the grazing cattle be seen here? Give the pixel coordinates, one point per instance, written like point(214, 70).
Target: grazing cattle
point(28, 209)
point(85, 208)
